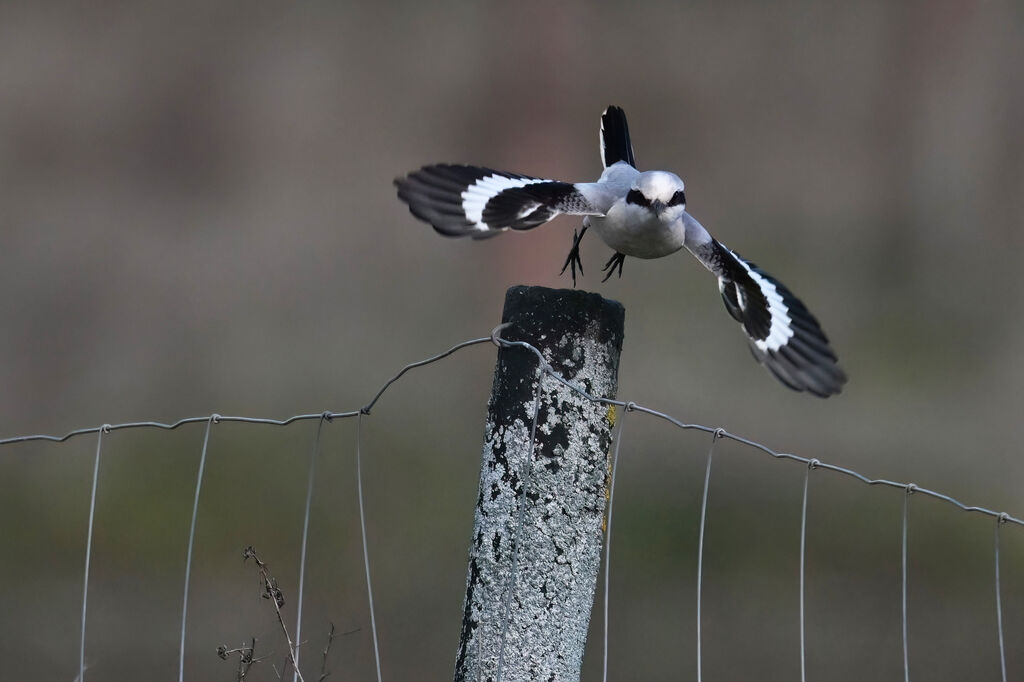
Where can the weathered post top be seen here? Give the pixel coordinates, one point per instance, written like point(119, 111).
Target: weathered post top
point(536, 546)
point(540, 310)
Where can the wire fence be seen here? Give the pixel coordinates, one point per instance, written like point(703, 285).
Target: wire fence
point(544, 370)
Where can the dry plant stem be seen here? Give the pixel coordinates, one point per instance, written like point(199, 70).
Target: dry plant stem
point(327, 649)
point(273, 593)
point(245, 658)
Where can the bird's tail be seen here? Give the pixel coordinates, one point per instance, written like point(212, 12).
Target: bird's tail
point(615, 144)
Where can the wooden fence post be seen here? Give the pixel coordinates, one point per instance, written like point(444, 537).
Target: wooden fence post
point(536, 546)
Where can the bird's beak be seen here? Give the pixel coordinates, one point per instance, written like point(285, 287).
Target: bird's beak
point(657, 206)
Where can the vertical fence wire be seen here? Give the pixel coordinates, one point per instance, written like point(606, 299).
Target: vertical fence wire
point(903, 580)
point(314, 453)
point(1000, 520)
point(700, 545)
point(191, 542)
point(614, 466)
point(524, 480)
point(88, 550)
point(366, 549)
point(803, 565)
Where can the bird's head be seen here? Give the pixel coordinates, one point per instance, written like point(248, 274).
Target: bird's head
point(660, 192)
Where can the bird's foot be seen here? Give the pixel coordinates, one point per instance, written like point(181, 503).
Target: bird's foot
point(614, 262)
point(573, 261)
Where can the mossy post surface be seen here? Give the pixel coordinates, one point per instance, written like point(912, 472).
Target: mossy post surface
point(536, 545)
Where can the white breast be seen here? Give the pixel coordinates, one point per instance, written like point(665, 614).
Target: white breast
point(634, 231)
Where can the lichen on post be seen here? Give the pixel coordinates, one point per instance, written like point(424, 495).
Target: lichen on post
point(536, 546)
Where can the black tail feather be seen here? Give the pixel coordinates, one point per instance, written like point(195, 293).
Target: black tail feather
point(615, 144)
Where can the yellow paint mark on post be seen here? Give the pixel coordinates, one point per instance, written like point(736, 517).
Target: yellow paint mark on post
point(607, 494)
point(612, 416)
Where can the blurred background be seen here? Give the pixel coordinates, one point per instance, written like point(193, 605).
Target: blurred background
point(197, 216)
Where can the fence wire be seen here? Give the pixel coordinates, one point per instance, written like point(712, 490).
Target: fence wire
point(544, 370)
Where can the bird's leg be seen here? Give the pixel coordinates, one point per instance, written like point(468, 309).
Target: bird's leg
point(573, 259)
point(615, 261)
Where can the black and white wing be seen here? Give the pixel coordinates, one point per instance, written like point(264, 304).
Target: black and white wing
point(462, 201)
point(784, 336)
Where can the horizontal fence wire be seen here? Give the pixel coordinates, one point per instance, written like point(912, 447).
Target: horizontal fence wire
point(544, 370)
point(496, 339)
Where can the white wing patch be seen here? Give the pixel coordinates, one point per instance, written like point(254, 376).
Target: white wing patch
point(527, 209)
point(781, 330)
point(476, 196)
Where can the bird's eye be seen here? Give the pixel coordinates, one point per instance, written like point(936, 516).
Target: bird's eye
point(678, 199)
point(637, 197)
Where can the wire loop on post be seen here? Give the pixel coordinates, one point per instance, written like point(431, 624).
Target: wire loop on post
point(496, 334)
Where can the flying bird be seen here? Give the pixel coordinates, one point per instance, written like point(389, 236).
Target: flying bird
point(640, 214)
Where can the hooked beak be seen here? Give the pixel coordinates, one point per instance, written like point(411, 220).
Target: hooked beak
point(658, 207)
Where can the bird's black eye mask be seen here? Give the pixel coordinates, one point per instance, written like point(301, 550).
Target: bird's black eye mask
point(637, 197)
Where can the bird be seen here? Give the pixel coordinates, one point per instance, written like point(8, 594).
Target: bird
point(640, 214)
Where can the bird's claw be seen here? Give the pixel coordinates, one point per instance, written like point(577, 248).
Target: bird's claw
point(614, 262)
point(572, 261)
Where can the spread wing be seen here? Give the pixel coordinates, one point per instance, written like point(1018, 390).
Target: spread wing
point(479, 202)
point(783, 335)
